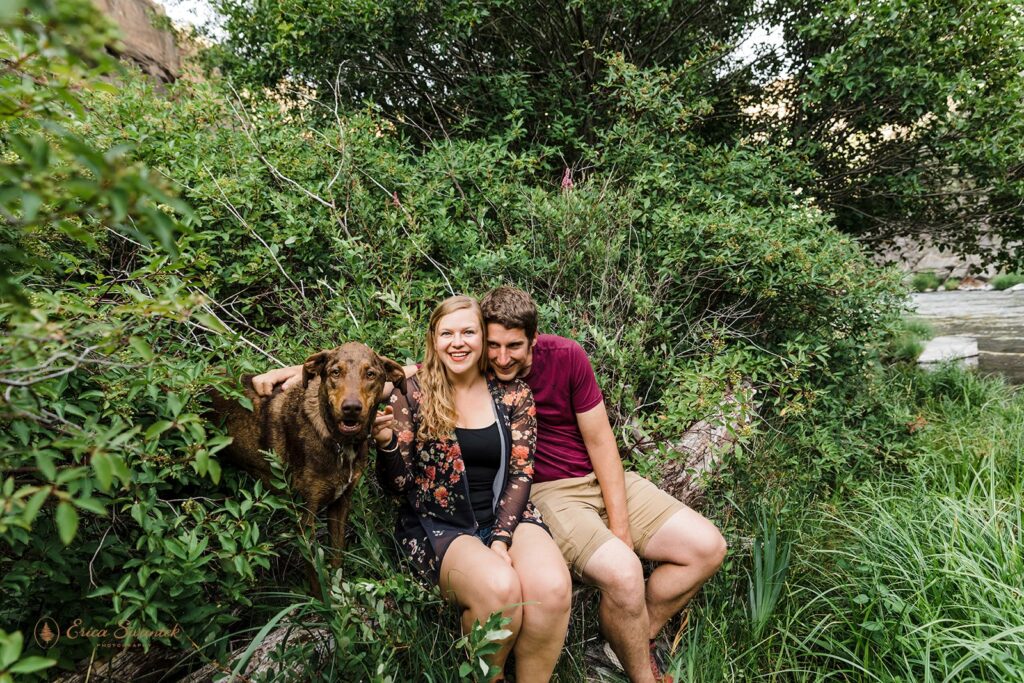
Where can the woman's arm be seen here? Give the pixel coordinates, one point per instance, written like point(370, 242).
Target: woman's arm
point(516, 494)
point(394, 442)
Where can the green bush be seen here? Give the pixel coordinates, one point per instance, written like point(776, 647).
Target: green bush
point(1005, 281)
point(682, 267)
point(951, 284)
point(923, 282)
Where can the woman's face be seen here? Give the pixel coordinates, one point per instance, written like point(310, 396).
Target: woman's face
point(458, 341)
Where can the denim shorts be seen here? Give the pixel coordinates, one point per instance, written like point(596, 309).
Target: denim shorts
point(485, 533)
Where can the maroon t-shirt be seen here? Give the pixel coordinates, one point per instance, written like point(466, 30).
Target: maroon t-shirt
point(563, 384)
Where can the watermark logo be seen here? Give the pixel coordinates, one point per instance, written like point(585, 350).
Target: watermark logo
point(47, 633)
point(124, 634)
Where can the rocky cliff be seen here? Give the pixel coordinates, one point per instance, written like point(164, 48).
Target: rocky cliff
point(145, 38)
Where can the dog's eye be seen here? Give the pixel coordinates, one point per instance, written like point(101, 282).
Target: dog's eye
point(371, 374)
point(336, 372)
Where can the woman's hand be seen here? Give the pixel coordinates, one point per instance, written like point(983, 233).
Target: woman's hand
point(502, 550)
point(381, 429)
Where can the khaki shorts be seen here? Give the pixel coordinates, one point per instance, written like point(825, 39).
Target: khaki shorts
point(574, 511)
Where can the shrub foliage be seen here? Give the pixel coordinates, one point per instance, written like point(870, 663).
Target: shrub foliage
point(160, 244)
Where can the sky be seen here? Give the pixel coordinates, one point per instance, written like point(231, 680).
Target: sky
point(187, 12)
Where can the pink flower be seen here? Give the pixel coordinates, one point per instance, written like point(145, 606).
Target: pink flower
point(567, 183)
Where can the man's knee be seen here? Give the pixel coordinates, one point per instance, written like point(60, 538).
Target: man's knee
point(710, 550)
point(621, 580)
point(688, 539)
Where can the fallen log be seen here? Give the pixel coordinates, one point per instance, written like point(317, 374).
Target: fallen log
point(127, 666)
point(700, 449)
point(263, 662)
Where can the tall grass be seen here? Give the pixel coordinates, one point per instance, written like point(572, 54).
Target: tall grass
point(910, 576)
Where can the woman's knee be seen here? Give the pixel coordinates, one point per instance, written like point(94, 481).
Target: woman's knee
point(549, 590)
point(500, 588)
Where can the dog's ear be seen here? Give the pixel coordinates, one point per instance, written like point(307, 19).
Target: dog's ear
point(313, 366)
point(394, 373)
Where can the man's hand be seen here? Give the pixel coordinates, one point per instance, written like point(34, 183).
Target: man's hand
point(501, 549)
point(604, 456)
point(622, 533)
point(381, 428)
point(264, 384)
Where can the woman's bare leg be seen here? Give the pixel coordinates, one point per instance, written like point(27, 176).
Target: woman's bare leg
point(547, 592)
point(481, 583)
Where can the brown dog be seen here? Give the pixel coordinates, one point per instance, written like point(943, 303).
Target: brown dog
point(319, 430)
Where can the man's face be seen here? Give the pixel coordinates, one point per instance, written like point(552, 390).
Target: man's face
point(509, 351)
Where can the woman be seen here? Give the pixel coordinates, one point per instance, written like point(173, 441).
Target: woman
point(459, 450)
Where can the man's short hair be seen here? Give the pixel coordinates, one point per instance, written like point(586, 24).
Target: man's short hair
point(510, 307)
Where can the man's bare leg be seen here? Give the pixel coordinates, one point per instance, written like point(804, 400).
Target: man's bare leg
point(616, 570)
point(690, 550)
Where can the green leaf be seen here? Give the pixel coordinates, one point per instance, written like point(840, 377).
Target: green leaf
point(45, 464)
point(213, 469)
point(91, 505)
point(498, 634)
point(210, 322)
point(31, 664)
point(30, 203)
point(32, 507)
point(157, 428)
point(174, 404)
point(141, 348)
point(67, 522)
point(104, 470)
point(10, 648)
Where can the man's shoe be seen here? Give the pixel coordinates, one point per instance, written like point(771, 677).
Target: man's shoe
point(656, 668)
point(660, 677)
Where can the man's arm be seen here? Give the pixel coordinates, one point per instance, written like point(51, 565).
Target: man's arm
point(604, 456)
point(264, 384)
point(287, 377)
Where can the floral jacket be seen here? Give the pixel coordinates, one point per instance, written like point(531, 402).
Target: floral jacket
point(431, 477)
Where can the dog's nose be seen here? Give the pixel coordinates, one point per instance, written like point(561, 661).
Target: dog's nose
point(351, 407)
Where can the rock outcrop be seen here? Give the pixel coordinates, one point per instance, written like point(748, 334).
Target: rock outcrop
point(144, 39)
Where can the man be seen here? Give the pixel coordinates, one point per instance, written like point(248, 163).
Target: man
point(603, 519)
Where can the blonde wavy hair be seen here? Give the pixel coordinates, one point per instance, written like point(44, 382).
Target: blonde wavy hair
point(437, 406)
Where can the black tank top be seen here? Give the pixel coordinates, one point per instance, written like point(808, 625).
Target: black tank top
point(481, 453)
